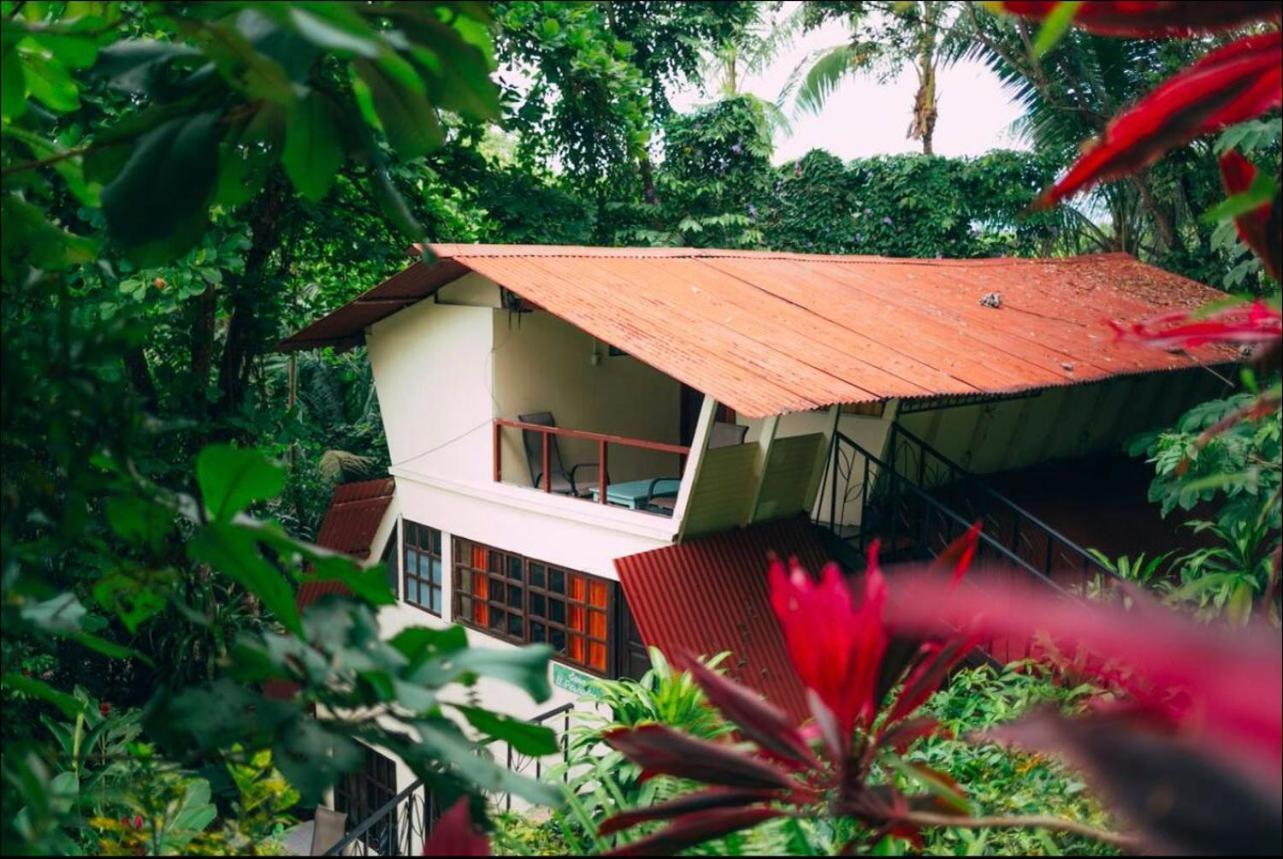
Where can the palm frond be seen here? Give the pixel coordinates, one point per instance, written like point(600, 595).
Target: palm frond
point(816, 77)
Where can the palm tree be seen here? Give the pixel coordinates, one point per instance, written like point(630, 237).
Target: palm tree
point(748, 51)
point(885, 37)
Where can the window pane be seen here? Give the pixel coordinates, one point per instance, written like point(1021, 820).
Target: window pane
point(538, 605)
point(557, 638)
point(436, 542)
point(496, 563)
point(497, 619)
point(514, 597)
point(577, 587)
point(556, 611)
point(537, 632)
point(597, 624)
point(478, 557)
point(480, 585)
point(556, 580)
point(538, 577)
point(465, 608)
point(597, 593)
point(434, 571)
point(435, 599)
point(597, 655)
point(514, 567)
point(409, 560)
point(576, 648)
point(412, 591)
point(516, 626)
point(576, 621)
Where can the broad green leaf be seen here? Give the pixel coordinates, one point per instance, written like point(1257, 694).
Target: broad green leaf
point(131, 600)
point(524, 667)
point(336, 33)
point(232, 478)
point(234, 552)
point(13, 89)
point(369, 584)
point(108, 648)
point(28, 234)
point(69, 169)
point(312, 153)
point(138, 520)
point(526, 738)
point(48, 80)
point(408, 118)
point(420, 643)
point(444, 742)
point(73, 50)
point(59, 615)
point(157, 205)
point(68, 704)
point(313, 758)
point(246, 156)
point(1264, 189)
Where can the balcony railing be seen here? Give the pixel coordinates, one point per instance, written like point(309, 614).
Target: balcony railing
point(603, 442)
point(405, 822)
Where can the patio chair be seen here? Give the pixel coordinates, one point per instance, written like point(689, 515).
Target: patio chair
point(561, 480)
point(328, 828)
point(723, 435)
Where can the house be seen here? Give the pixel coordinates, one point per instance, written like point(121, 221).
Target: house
point(596, 447)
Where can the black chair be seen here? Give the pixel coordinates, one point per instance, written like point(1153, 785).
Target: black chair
point(561, 480)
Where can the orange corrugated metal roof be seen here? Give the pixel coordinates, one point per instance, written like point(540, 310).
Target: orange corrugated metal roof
point(769, 333)
point(710, 595)
point(356, 510)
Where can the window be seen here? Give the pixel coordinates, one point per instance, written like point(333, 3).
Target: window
point(422, 572)
point(527, 602)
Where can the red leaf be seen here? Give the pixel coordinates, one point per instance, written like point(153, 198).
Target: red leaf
point(694, 828)
point(718, 797)
point(1228, 685)
point(926, 678)
point(1238, 175)
point(1256, 322)
point(659, 750)
point(960, 553)
point(455, 835)
point(1233, 83)
point(757, 719)
point(1153, 18)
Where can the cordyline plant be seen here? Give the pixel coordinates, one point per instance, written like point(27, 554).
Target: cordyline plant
point(864, 682)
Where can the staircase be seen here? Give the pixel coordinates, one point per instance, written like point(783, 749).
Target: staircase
point(918, 501)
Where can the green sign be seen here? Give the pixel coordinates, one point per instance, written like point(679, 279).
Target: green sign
point(576, 682)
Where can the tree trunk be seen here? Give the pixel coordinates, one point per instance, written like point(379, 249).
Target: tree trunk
point(202, 348)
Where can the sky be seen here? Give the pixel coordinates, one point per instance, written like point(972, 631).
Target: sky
point(864, 117)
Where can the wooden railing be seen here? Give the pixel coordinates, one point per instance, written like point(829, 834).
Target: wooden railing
point(602, 440)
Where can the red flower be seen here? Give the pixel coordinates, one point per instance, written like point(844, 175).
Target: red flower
point(455, 834)
point(1254, 227)
point(1256, 322)
point(835, 646)
point(1154, 18)
point(104, 708)
point(1231, 84)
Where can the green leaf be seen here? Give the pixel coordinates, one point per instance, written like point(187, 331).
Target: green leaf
point(59, 615)
point(526, 738)
point(234, 551)
point(49, 81)
point(69, 705)
point(524, 667)
point(313, 758)
point(444, 742)
point(1054, 26)
point(420, 643)
point(312, 153)
point(369, 584)
point(232, 478)
point(13, 88)
point(1264, 189)
point(108, 648)
point(347, 33)
point(408, 118)
point(157, 205)
point(246, 156)
point(28, 234)
point(139, 521)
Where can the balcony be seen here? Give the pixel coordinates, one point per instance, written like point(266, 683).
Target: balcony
point(601, 468)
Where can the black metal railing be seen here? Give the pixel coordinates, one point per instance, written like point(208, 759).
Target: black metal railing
point(1032, 539)
point(402, 825)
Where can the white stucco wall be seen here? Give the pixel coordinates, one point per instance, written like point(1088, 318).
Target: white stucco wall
point(543, 364)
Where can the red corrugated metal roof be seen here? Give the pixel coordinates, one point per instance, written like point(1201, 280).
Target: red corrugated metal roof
point(708, 595)
point(356, 510)
point(769, 333)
